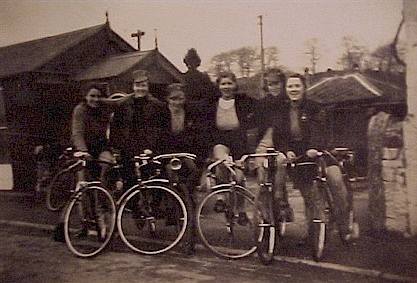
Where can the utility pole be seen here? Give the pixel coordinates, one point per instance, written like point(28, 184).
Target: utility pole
point(312, 51)
point(262, 55)
point(138, 34)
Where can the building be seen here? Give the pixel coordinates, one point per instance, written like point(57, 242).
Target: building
point(349, 99)
point(40, 80)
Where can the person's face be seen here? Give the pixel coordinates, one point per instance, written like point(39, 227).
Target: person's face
point(92, 97)
point(141, 88)
point(176, 99)
point(227, 87)
point(274, 85)
point(295, 89)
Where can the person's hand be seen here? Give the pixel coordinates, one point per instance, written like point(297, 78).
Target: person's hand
point(147, 152)
point(291, 155)
point(83, 155)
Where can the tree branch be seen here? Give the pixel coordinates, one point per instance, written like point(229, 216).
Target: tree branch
point(394, 44)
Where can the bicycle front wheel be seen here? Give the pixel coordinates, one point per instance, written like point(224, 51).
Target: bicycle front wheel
point(152, 220)
point(89, 221)
point(265, 234)
point(225, 232)
point(318, 239)
point(59, 190)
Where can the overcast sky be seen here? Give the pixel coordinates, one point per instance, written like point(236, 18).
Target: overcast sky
point(213, 26)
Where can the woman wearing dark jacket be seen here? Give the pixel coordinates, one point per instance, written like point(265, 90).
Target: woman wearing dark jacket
point(289, 131)
point(230, 116)
point(180, 134)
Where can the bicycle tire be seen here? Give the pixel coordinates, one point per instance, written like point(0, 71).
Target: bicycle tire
point(318, 241)
point(140, 220)
point(189, 239)
point(59, 190)
point(226, 240)
point(265, 242)
point(83, 232)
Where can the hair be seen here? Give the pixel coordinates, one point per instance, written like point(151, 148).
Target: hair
point(192, 59)
point(301, 77)
point(223, 75)
point(175, 86)
point(103, 88)
point(277, 72)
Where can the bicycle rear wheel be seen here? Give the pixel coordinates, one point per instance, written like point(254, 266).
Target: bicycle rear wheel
point(59, 190)
point(221, 231)
point(152, 220)
point(89, 221)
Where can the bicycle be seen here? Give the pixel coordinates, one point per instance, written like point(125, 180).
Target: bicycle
point(90, 216)
point(271, 216)
point(152, 216)
point(221, 230)
point(59, 187)
point(321, 227)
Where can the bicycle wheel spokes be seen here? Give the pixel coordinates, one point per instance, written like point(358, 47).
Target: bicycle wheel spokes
point(152, 220)
point(223, 232)
point(89, 221)
point(59, 190)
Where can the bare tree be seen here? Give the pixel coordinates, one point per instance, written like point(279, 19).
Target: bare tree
point(383, 59)
point(312, 50)
point(271, 56)
point(353, 55)
point(245, 58)
point(221, 62)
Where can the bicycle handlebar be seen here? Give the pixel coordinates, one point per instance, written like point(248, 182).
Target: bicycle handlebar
point(175, 155)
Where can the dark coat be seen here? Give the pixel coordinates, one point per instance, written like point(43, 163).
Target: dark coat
point(237, 139)
point(137, 125)
point(190, 138)
point(276, 114)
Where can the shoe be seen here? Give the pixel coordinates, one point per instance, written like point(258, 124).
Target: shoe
point(289, 214)
point(83, 233)
point(189, 249)
point(220, 206)
point(139, 218)
point(59, 235)
point(242, 219)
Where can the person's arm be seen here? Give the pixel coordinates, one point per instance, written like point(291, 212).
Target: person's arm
point(78, 128)
point(118, 127)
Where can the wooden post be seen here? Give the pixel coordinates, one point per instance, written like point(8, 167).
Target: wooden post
point(410, 124)
point(139, 35)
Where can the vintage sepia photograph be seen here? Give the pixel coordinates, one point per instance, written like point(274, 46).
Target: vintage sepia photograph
point(208, 141)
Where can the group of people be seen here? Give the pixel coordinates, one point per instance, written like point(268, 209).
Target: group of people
point(139, 121)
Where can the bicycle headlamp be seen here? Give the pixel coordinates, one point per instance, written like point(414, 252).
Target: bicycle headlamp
point(175, 164)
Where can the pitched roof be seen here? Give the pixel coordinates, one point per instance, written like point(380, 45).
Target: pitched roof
point(353, 88)
point(30, 55)
point(118, 64)
point(113, 66)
